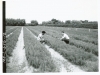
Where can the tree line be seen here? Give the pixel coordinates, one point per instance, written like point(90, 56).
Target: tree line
point(54, 22)
point(72, 23)
point(15, 22)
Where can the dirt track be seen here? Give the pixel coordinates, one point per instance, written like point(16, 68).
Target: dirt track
point(18, 62)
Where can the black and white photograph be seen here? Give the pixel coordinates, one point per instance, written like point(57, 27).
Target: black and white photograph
point(50, 36)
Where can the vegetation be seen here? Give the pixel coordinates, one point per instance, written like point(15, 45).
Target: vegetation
point(11, 43)
point(37, 55)
point(15, 22)
point(34, 22)
point(10, 30)
point(78, 52)
point(73, 23)
point(55, 23)
point(9, 27)
point(82, 49)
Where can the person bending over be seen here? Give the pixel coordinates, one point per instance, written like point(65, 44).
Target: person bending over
point(41, 37)
point(65, 37)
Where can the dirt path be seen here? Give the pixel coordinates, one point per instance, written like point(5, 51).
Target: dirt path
point(18, 62)
point(61, 63)
point(64, 65)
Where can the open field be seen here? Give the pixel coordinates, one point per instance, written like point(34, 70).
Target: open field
point(78, 52)
point(82, 50)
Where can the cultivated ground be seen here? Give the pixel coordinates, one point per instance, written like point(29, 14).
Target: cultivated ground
point(26, 54)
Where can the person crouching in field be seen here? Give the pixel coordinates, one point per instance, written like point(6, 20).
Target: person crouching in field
point(41, 37)
point(65, 38)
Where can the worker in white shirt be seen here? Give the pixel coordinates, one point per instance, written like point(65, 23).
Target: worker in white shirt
point(65, 38)
point(41, 37)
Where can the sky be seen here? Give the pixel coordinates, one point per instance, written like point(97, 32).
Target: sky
point(45, 10)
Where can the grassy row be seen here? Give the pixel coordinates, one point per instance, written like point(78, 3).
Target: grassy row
point(86, 39)
point(82, 34)
point(74, 36)
point(9, 27)
point(89, 47)
point(81, 31)
point(11, 43)
point(73, 54)
point(11, 30)
point(77, 37)
point(37, 55)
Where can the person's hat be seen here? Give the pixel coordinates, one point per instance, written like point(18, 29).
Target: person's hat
point(43, 32)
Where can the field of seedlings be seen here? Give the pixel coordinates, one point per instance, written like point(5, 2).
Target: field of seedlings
point(11, 40)
point(81, 54)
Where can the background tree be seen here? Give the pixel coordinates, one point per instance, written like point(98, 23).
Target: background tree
point(68, 22)
point(34, 22)
point(15, 22)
